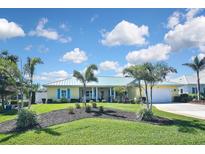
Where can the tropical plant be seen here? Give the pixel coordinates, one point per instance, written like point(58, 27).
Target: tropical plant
point(77, 106)
point(26, 119)
point(135, 71)
point(101, 109)
point(29, 69)
point(88, 108)
point(70, 110)
point(197, 65)
point(9, 76)
point(156, 73)
point(121, 92)
point(86, 77)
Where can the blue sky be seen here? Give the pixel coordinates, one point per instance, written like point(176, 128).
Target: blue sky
point(68, 39)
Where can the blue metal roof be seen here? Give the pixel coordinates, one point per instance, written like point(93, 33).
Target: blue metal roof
point(102, 81)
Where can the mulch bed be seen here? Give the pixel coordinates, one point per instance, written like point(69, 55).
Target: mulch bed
point(62, 116)
point(199, 102)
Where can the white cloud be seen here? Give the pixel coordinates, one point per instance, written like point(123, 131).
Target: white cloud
point(76, 56)
point(52, 76)
point(93, 18)
point(28, 47)
point(157, 52)
point(173, 20)
point(126, 33)
point(187, 35)
point(108, 65)
point(191, 13)
point(10, 30)
point(48, 33)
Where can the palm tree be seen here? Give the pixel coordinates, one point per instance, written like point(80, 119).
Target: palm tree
point(29, 69)
point(88, 76)
point(156, 73)
point(135, 72)
point(197, 65)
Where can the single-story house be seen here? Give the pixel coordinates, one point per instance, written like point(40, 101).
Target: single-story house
point(104, 89)
point(188, 84)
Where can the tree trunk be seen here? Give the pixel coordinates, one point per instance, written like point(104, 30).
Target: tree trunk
point(2, 99)
point(140, 88)
point(151, 87)
point(198, 86)
point(84, 93)
point(30, 93)
point(146, 93)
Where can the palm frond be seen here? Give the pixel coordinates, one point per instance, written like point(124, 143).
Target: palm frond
point(78, 76)
point(89, 73)
point(191, 65)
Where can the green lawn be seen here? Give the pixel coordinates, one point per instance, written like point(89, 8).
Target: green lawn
point(39, 108)
point(43, 108)
point(107, 131)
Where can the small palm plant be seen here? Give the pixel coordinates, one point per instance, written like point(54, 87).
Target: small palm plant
point(29, 69)
point(197, 65)
point(88, 76)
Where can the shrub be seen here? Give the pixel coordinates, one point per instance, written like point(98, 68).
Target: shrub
point(74, 100)
point(94, 105)
point(49, 101)
point(145, 114)
point(101, 109)
point(88, 108)
point(14, 102)
point(70, 110)
point(77, 106)
point(44, 100)
point(25, 103)
point(26, 119)
point(1, 108)
point(183, 98)
point(64, 100)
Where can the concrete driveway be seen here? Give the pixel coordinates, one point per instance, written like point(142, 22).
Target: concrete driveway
point(187, 109)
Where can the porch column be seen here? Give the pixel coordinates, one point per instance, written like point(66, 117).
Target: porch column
point(96, 96)
point(114, 95)
point(110, 94)
point(92, 93)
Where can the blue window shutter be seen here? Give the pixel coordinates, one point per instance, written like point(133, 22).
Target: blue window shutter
point(68, 93)
point(58, 93)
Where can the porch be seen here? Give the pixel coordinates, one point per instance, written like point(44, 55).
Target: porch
point(107, 94)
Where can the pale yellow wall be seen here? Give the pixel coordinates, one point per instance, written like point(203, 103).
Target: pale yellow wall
point(133, 92)
point(51, 92)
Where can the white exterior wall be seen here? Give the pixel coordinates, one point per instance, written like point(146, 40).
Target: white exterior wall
point(187, 89)
point(40, 95)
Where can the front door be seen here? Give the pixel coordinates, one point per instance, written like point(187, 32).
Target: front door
point(102, 94)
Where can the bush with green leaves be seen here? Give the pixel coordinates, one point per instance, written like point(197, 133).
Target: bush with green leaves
point(94, 105)
point(88, 108)
point(101, 109)
point(77, 106)
point(26, 119)
point(14, 102)
point(70, 110)
point(1, 108)
point(63, 100)
point(145, 114)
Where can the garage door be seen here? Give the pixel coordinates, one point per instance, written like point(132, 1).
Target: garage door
point(161, 95)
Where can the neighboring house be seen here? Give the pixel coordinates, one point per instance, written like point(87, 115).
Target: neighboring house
point(72, 88)
point(40, 94)
point(188, 84)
